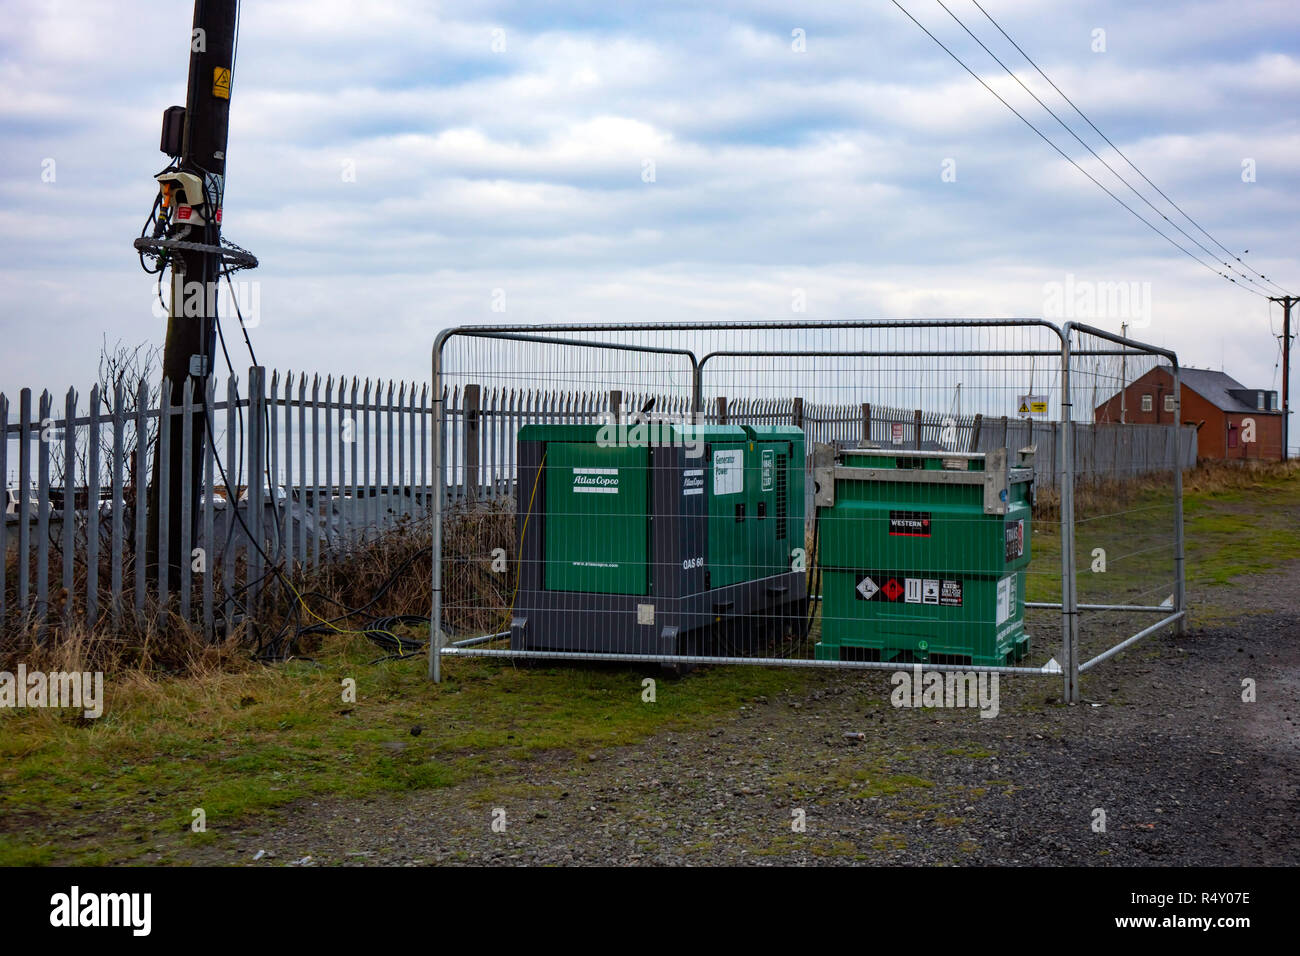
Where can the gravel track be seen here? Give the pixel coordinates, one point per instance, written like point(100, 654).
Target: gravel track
point(1185, 771)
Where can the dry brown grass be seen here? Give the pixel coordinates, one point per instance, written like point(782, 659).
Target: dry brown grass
point(1093, 497)
point(159, 642)
point(146, 644)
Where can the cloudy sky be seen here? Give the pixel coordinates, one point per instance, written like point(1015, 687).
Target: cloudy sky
point(393, 164)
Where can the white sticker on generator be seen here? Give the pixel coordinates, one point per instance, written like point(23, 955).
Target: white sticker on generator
point(693, 481)
point(728, 472)
point(595, 481)
point(929, 591)
point(912, 590)
point(1006, 599)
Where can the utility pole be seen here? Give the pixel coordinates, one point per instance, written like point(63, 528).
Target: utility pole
point(1286, 302)
point(192, 194)
point(1123, 376)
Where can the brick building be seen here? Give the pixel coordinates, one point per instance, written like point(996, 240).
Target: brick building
point(1221, 408)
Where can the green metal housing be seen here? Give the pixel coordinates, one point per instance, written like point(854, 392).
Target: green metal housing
point(623, 525)
point(923, 558)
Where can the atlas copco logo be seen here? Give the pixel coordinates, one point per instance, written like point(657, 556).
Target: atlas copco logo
point(595, 481)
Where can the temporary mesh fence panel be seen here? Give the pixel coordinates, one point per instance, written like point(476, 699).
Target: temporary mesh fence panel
point(666, 498)
point(1130, 448)
point(852, 494)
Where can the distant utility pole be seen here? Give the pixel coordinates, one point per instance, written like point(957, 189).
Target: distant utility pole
point(1123, 376)
point(193, 194)
point(1286, 301)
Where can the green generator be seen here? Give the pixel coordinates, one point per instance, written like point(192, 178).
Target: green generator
point(651, 538)
point(923, 555)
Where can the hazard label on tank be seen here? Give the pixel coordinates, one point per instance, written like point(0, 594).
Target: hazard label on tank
point(881, 586)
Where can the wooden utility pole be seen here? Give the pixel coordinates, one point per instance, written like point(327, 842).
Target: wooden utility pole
point(194, 191)
point(1123, 377)
point(1286, 301)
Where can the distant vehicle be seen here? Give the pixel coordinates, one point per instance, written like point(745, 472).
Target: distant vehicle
point(280, 495)
point(12, 502)
point(218, 501)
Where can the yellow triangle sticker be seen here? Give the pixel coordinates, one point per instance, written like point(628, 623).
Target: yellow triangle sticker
point(221, 82)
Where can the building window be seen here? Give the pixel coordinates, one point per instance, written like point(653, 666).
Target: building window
point(1259, 403)
point(1146, 403)
point(1169, 403)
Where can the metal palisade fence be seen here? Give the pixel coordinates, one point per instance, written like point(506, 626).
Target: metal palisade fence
point(297, 471)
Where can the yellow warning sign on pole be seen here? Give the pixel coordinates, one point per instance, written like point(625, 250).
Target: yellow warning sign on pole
point(221, 82)
point(1031, 406)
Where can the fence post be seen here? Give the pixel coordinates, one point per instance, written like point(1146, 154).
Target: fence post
point(1069, 593)
point(1180, 583)
point(24, 497)
point(975, 433)
point(472, 423)
point(315, 513)
point(119, 500)
point(435, 614)
point(916, 431)
point(185, 558)
point(253, 484)
point(43, 512)
point(615, 405)
point(866, 425)
point(92, 511)
point(230, 474)
point(722, 409)
point(140, 482)
point(209, 507)
point(69, 524)
point(164, 498)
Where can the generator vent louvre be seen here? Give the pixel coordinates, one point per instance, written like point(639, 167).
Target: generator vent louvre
point(782, 527)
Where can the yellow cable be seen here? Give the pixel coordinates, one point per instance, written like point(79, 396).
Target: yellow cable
point(523, 533)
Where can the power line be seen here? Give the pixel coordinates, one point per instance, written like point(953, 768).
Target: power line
point(1071, 161)
point(1065, 126)
point(1118, 150)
